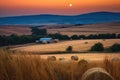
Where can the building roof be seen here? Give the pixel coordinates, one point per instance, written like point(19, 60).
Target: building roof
point(45, 39)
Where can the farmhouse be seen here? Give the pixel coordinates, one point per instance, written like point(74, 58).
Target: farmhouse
point(45, 40)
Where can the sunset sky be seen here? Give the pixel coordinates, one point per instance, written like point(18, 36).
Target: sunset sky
point(60, 7)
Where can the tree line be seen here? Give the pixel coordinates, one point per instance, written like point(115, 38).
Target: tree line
point(91, 36)
point(38, 33)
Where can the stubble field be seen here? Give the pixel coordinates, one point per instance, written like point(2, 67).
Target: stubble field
point(78, 45)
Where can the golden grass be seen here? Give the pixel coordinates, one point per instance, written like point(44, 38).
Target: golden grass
point(88, 56)
point(31, 67)
point(18, 30)
point(78, 45)
point(103, 28)
point(88, 29)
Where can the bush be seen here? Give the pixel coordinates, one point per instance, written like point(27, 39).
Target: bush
point(115, 47)
point(69, 48)
point(97, 47)
point(74, 37)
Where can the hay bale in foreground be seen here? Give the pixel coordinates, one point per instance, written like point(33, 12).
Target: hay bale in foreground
point(75, 58)
point(96, 74)
point(51, 58)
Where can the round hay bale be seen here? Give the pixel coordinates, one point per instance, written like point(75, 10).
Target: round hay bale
point(61, 59)
point(75, 58)
point(96, 74)
point(51, 58)
point(116, 59)
point(83, 62)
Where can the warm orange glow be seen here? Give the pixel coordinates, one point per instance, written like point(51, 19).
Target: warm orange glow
point(21, 7)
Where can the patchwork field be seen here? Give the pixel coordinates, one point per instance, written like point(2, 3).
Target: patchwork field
point(102, 28)
point(88, 29)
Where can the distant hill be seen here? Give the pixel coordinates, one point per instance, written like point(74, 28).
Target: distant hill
point(90, 18)
point(101, 28)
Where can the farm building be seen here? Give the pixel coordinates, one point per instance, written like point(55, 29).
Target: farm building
point(45, 40)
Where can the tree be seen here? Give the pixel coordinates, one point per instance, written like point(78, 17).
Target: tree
point(37, 31)
point(65, 37)
point(74, 37)
point(82, 37)
point(115, 47)
point(118, 36)
point(97, 47)
point(69, 48)
point(92, 36)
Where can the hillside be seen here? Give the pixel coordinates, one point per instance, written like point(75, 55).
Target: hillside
point(90, 18)
point(113, 27)
point(18, 30)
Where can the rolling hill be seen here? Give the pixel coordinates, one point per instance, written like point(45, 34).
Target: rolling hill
point(89, 18)
point(101, 28)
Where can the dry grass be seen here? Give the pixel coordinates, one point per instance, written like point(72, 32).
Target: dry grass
point(88, 56)
point(32, 67)
point(88, 29)
point(19, 30)
point(78, 45)
point(78, 30)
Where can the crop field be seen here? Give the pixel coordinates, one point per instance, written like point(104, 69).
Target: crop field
point(88, 29)
point(18, 30)
point(87, 56)
point(102, 28)
point(78, 45)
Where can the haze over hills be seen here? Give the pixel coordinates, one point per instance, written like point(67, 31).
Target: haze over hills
point(89, 18)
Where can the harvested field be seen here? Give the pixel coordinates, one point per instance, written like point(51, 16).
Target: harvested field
point(78, 45)
point(103, 28)
point(86, 56)
point(18, 30)
point(88, 29)
point(32, 67)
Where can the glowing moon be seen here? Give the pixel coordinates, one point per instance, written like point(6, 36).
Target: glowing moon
point(70, 5)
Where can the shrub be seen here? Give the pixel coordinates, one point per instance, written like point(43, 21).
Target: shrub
point(69, 48)
point(115, 47)
point(97, 47)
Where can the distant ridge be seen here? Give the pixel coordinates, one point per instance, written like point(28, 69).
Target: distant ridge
point(43, 19)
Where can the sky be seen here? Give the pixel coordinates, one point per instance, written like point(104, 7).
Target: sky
point(59, 7)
